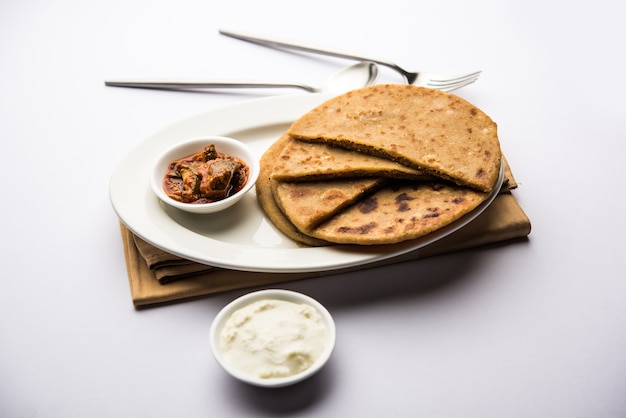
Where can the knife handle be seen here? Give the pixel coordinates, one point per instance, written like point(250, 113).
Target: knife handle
point(202, 84)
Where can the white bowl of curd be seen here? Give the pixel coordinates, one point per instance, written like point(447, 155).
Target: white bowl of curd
point(273, 337)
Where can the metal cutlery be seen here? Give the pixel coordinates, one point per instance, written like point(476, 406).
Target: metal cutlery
point(435, 81)
point(355, 76)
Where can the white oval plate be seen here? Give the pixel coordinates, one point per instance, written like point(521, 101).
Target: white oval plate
point(240, 238)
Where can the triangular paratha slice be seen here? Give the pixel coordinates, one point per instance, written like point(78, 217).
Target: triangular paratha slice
point(398, 213)
point(306, 161)
point(307, 204)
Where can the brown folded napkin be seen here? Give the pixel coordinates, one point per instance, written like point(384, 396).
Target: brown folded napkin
point(157, 277)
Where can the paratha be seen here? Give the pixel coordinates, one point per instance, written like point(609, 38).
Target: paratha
point(393, 213)
point(427, 129)
point(399, 212)
point(307, 204)
point(337, 182)
point(263, 188)
point(305, 161)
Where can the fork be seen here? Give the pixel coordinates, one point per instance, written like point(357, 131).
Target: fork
point(434, 81)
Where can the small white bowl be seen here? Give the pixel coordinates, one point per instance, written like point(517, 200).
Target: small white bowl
point(224, 145)
point(285, 295)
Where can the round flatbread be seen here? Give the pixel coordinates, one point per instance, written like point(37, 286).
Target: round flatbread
point(427, 129)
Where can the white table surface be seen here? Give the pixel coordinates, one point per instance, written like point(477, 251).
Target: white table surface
point(532, 329)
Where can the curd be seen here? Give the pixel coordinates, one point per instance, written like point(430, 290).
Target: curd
point(273, 338)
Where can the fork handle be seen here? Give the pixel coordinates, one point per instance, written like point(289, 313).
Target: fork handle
point(299, 46)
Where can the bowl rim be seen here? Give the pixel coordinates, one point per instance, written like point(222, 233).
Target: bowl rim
point(280, 294)
point(244, 152)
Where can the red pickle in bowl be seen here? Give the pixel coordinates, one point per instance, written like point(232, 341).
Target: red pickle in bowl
point(205, 177)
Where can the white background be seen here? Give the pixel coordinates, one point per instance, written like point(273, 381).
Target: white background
point(532, 329)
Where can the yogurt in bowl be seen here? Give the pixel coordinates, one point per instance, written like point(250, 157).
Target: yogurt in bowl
point(273, 337)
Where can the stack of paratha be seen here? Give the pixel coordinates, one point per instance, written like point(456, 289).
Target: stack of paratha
point(379, 165)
